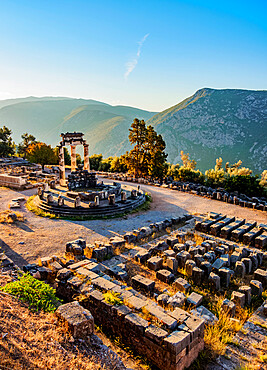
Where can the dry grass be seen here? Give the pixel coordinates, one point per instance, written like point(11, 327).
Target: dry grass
point(33, 341)
point(112, 298)
point(31, 206)
point(10, 217)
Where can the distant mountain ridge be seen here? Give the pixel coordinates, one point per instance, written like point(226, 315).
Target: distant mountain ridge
point(227, 123)
point(230, 123)
point(105, 126)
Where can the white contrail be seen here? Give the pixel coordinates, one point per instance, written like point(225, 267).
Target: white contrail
point(130, 66)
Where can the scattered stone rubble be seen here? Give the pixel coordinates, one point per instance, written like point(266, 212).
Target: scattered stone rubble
point(170, 339)
point(153, 321)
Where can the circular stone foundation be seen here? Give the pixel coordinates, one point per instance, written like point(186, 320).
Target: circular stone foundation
point(103, 201)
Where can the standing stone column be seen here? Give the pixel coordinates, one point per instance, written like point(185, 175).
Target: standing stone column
point(73, 157)
point(86, 165)
point(62, 177)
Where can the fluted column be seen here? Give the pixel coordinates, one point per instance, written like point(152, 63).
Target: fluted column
point(73, 157)
point(62, 177)
point(86, 163)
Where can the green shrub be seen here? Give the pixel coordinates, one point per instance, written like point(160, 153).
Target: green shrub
point(39, 295)
point(248, 185)
point(186, 174)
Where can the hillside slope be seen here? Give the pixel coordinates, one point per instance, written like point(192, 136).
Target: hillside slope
point(213, 123)
point(209, 124)
point(105, 126)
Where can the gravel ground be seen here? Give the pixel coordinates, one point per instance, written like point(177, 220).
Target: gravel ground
point(39, 237)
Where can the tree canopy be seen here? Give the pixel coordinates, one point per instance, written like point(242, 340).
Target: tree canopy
point(7, 147)
point(41, 153)
point(25, 143)
point(147, 158)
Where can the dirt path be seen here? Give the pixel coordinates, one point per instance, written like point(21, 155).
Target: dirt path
point(40, 237)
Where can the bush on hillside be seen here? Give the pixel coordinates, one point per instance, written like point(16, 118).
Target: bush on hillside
point(39, 295)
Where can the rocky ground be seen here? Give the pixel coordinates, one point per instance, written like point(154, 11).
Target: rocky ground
point(40, 237)
point(36, 237)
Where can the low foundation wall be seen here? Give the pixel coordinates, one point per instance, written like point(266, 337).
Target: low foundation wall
point(163, 349)
point(16, 182)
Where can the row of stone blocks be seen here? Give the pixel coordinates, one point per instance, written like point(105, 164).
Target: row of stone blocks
point(254, 203)
point(146, 231)
point(235, 229)
point(219, 194)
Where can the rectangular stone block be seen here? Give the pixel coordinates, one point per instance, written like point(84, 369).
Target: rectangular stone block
point(261, 241)
point(215, 229)
point(155, 334)
point(256, 288)
point(172, 264)
point(165, 275)
point(206, 224)
point(168, 321)
point(237, 235)
point(142, 255)
point(103, 284)
point(194, 299)
point(78, 320)
point(136, 323)
point(238, 298)
point(64, 274)
point(182, 285)
point(261, 275)
point(143, 283)
point(227, 230)
point(249, 237)
point(86, 274)
point(171, 241)
point(155, 263)
point(136, 303)
point(177, 341)
point(76, 265)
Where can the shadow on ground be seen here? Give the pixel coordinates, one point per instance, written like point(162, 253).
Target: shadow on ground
point(16, 257)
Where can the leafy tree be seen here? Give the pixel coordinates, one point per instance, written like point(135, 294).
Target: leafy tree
point(185, 174)
point(7, 146)
point(105, 164)
point(26, 141)
point(244, 184)
point(173, 170)
point(263, 180)
point(236, 170)
point(118, 164)
point(41, 153)
point(147, 158)
point(95, 161)
point(187, 163)
point(218, 165)
point(137, 136)
point(156, 157)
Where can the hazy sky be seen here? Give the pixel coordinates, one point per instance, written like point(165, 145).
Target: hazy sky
point(148, 54)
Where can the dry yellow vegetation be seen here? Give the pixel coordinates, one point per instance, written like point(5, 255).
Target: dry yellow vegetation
point(31, 340)
point(9, 217)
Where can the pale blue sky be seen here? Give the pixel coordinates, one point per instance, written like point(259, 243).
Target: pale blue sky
point(148, 54)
